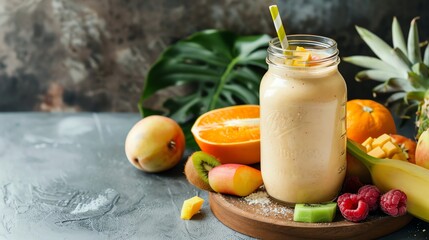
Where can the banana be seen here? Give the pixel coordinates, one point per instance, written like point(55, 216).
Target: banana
point(390, 174)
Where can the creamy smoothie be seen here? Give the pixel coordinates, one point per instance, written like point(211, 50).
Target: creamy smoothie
point(303, 132)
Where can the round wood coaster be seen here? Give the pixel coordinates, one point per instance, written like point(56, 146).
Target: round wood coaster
point(267, 219)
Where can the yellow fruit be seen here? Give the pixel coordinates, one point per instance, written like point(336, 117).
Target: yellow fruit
point(386, 174)
point(384, 146)
point(191, 207)
point(155, 144)
point(301, 55)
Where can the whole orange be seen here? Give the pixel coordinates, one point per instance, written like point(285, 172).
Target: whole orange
point(367, 118)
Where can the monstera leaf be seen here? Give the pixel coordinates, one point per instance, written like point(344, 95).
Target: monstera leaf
point(219, 68)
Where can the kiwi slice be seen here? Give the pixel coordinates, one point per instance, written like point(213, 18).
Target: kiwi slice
point(315, 213)
point(197, 168)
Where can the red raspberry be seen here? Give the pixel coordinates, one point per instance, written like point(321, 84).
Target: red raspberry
point(352, 184)
point(352, 207)
point(371, 195)
point(394, 203)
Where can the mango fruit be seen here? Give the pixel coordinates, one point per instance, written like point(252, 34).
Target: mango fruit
point(384, 146)
point(191, 207)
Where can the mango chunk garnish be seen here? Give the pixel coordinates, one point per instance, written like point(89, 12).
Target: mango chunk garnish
point(191, 207)
point(301, 55)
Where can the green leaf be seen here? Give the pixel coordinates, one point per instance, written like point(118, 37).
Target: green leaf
point(400, 60)
point(395, 97)
point(413, 45)
point(417, 81)
point(189, 138)
point(421, 69)
point(393, 85)
point(377, 45)
point(377, 75)
point(386, 53)
point(404, 84)
point(398, 36)
point(385, 88)
point(220, 67)
point(406, 111)
point(426, 56)
point(370, 62)
point(415, 95)
point(241, 92)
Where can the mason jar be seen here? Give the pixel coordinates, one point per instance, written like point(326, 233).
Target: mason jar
point(302, 121)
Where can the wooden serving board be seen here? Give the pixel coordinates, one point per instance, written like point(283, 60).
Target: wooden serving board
point(275, 221)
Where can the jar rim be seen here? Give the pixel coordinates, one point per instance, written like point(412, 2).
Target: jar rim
point(323, 47)
point(324, 43)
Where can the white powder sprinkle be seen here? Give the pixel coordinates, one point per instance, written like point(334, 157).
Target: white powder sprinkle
point(267, 207)
point(258, 198)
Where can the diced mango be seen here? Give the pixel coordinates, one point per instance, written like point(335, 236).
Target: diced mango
point(384, 147)
point(368, 141)
point(381, 140)
point(377, 152)
point(399, 156)
point(368, 148)
point(390, 148)
point(191, 207)
point(301, 55)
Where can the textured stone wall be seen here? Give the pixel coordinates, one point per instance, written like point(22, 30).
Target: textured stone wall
point(93, 55)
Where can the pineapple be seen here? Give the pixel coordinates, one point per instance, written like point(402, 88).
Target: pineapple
point(401, 70)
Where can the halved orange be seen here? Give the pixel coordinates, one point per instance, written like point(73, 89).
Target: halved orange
point(231, 134)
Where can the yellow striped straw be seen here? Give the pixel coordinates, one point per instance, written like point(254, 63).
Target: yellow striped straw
point(281, 33)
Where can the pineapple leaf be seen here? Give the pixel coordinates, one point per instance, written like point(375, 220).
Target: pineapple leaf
point(413, 45)
point(385, 88)
point(417, 81)
point(401, 60)
point(415, 95)
point(377, 75)
point(400, 83)
point(369, 62)
point(376, 44)
point(398, 36)
point(426, 56)
point(395, 97)
point(407, 111)
point(410, 109)
point(421, 69)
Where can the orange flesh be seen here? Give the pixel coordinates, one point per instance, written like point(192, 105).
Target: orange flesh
point(230, 126)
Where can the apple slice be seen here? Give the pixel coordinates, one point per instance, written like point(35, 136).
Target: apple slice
point(235, 179)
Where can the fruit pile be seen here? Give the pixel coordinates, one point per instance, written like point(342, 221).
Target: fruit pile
point(229, 140)
point(392, 161)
